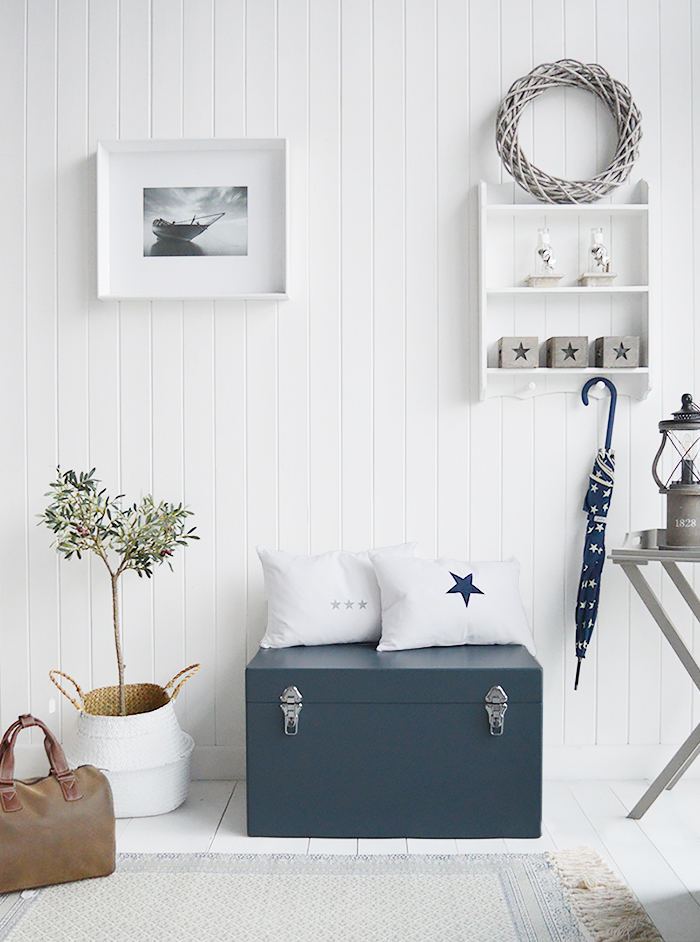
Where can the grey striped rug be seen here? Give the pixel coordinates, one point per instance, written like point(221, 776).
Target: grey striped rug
point(274, 898)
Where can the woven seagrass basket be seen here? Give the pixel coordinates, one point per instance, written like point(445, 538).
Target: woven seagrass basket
point(145, 754)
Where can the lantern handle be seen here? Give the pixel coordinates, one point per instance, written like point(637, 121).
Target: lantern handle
point(613, 403)
point(659, 482)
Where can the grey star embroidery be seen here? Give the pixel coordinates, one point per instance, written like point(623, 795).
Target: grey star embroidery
point(362, 604)
point(335, 604)
point(349, 604)
point(569, 352)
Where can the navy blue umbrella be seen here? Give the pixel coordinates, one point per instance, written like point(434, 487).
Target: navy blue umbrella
point(595, 505)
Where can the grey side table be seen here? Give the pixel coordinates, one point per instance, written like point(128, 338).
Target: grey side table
point(639, 549)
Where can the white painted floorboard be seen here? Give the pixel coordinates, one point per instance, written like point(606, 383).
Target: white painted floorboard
point(658, 857)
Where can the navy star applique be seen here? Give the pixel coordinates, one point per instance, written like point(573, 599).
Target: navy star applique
point(465, 587)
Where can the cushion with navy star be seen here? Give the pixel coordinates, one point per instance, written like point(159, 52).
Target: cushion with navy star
point(328, 599)
point(436, 603)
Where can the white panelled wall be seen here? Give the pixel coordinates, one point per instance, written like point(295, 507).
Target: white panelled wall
point(347, 416)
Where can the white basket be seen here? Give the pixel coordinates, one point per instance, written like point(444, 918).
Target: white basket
point(139, 793)
point(126, 743)
point(145, 756)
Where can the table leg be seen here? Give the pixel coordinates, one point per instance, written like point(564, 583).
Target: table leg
point(690, 749)
point(673, 769)
point(646, 594)
point(686, 765)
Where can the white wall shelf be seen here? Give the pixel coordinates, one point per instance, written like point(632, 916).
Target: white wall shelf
point(507, 307)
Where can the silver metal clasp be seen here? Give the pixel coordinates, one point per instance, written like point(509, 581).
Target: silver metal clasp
point(290, 704)
point(496, 706)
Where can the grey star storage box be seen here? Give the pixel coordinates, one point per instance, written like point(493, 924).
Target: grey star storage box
point(346, 741)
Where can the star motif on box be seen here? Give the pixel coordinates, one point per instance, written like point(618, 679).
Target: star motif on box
point(521, 352)
point(465, 587)
point(621, 351)
point(569, 352)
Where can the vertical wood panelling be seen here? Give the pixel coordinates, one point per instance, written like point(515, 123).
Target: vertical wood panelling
point(166, 68)
point(518, 417)
point(389, 270)
point(346, 416)
point(612, 649)
point(325, 379)
point(230, 481)
point(199, 560)
point(103, 331)
point(41, 333)
point(135, 347)
point(14, 663)
point(678, 365)
point(198, 68)
point(168, 357)
point(293, 324)
point(485, 472)
point(73, 241)
point(134, 69)
point(262, 392)
point(231, 549)
point(456, 277)
point(229, 68)
point(198, 408)
point(695, 102)
point(168, 483)
point(645, 503)
point(421, 260)
point(356, 253)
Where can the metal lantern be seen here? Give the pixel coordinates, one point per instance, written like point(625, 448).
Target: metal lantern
point(682, 488)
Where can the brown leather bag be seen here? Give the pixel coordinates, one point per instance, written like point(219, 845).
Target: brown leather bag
point(53, 829)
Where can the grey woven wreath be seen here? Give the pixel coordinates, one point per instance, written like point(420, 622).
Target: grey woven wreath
point(592, 78)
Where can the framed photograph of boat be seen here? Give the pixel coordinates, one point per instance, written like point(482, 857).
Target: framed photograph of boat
point(192, 219)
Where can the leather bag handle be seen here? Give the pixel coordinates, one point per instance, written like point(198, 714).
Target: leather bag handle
point(57, 762)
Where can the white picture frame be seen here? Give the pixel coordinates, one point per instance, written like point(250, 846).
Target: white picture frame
point(141, 258)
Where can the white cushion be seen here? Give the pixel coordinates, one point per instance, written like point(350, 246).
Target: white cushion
point(433, 603)
point(328, 599)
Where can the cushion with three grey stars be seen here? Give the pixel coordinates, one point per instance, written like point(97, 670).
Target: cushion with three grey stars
point(441, 602)
point(332, 598)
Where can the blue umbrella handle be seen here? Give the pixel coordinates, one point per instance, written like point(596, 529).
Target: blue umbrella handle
point(613, 403)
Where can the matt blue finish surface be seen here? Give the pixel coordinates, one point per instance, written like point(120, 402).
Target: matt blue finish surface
point(394, 744)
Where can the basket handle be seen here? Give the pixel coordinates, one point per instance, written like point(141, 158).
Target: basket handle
point(189, 671)
point(78, 705)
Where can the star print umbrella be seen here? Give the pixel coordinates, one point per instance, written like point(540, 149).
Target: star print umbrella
point(595, 504)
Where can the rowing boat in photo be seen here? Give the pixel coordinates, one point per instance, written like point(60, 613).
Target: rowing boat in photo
point(186, 229)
